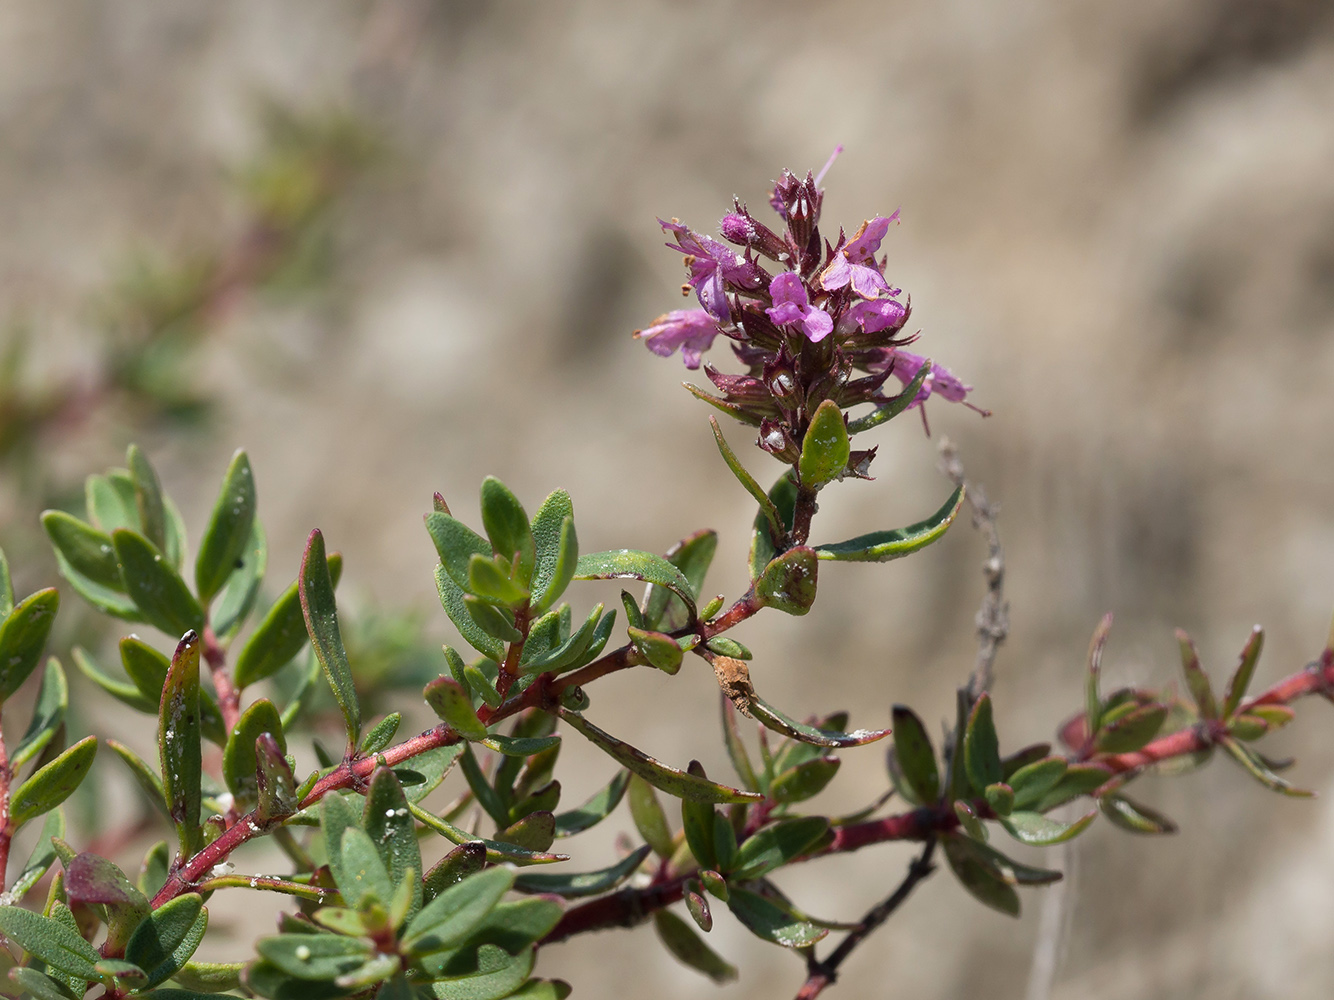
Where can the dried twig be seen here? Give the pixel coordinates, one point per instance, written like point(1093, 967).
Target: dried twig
point(820, 974)
point(993, 617)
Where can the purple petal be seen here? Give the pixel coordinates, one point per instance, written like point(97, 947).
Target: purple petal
point(866, 243)
point(874, 315)
point(837, 274)
point(866, 281)
point(818, 325)
point(788, 289)
point(689, 330)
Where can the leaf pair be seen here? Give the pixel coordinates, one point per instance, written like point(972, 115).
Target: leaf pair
point(126, 559)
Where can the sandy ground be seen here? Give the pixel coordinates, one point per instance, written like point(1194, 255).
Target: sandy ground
point(1118, 224)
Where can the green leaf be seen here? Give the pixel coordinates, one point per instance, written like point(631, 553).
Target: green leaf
point(981, 750)
point(392, 829)
point(777, 845)
point(452, 916)
point(280, 636)
point(51, 784)
point(650, 820)
point(772, 718)
point(1197, 681)
point(110, 501)
point(764, 543)
point(6, 587)
point(380, 735)
point(239, 763)
point(825, 449)
point(22, 637)
point(1000, 797)
point(228, 529)
point(688, 947)
point(633, 564)
point(267, 980)
point(1033, 781)
point(979, 875)
point(882, 546)
point(969, 820)
point(1079, 779)
point(557, 549)
point(207, 977)
point(496, 852)
point(736, 748)
point(1092, 700)
point(1261, 770)
point(148, 498)
point(156, 589)
point(321, 615)
point(39, 984)
point(804, 781)
point(767, 509)
point(358, 871)
point(51, 941)
point(315, 956)
point(451, 703)
point(491, 620)
point(453, 868)
point(697, 820)
point(48, 715)
point(506, 525)
point(95, 881)
point(587, 883)
point(456, 544)
point(146, 778)
point(788, 583)
point(535, 832)
point(489, 580)
point(85, 549)
point(1133, 816)
point(896, 404)
point(692, 556)
point(595, 810)
point(42, 857)
point(498, 975)
point(765, 920)
point(127, 693)
point(916, 758)
point(179, 743)
point(1034, 828)
point(658, 650)
point(1131, 731)
point(154, 869)
point(572, 652)
point(1241, 677)
point(237, 598)
point(275, 783)
point(659, 775)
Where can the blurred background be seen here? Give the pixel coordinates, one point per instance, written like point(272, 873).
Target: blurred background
point(392, 247)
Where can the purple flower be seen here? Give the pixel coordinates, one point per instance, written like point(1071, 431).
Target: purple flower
point(940, 382)
point(792, 305)
point(874, 315)
point(713, 267)
point(849, 265)
point(692, 330)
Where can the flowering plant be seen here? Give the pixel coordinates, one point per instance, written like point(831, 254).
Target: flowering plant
point(396, 895)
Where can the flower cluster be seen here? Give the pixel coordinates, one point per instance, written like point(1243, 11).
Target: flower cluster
point(804, 322)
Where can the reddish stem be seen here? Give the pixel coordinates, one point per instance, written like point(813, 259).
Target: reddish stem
point(229, 697)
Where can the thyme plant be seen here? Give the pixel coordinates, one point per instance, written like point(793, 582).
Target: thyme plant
point(395, 895)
